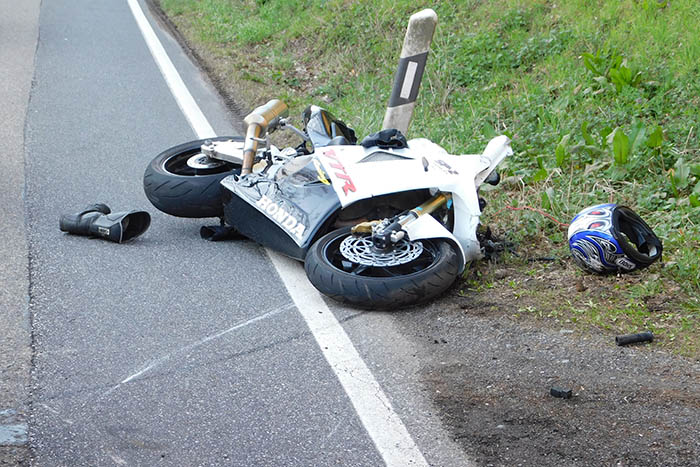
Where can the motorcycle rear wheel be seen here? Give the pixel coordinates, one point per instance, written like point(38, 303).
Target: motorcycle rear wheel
point(381, 287)
point(187, 190)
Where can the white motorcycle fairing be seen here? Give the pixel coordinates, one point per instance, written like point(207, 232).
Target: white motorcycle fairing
point(359, 173)
point(345, 210)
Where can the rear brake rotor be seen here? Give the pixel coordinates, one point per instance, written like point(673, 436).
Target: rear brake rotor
point(203, 162)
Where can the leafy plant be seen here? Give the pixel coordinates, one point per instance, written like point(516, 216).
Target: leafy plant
point(648, 5)
point(655, 141)
point(561, 150)
point(621, 147)
point(611, 67)
point(622, 76)
point(682, 176)
point(541, 173)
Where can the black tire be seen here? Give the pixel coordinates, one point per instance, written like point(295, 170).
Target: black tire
point(394, 287)
point(180, 190)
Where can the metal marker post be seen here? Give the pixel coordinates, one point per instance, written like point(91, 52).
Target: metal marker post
point(419, 35)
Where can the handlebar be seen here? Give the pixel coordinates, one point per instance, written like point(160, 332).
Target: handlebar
point(257, 123)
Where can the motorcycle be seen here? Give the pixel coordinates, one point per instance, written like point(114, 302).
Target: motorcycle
point(383, 224)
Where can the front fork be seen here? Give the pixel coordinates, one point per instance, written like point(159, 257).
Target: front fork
point(387, 232)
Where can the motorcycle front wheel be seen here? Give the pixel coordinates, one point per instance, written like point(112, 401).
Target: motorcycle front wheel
point(183, 182)
point(349, 269)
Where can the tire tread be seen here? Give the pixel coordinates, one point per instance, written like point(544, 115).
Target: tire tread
point(181, 195)
point(380, 293)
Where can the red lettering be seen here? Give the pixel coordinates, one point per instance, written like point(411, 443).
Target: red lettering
point(349, 186)
point(343, 175)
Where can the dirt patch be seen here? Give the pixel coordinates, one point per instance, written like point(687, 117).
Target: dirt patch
point(490, 375)
point(510, 331)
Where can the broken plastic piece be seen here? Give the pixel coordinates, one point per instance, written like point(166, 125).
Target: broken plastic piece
point(646, 336)
point(560, 392)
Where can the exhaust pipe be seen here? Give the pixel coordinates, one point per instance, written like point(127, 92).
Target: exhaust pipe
point(257, 123)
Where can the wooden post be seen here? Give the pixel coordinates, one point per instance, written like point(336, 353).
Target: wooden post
point(419, 35)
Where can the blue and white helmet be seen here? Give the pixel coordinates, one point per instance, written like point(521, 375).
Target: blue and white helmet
point(609, 238)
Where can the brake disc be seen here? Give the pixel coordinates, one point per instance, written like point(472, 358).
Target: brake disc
point(203, 162)
point(361, 250)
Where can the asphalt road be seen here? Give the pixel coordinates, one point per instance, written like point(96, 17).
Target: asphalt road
point(152, 351)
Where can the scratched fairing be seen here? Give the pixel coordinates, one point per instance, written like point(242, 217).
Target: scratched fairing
point(297, 205)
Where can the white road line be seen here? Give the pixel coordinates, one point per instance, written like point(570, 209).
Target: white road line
point(383, 425)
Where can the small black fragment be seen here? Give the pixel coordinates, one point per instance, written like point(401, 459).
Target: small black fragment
point(491, 245)
point(543, 259)
point(646, 336)
point(560, 392)
point(217, 233)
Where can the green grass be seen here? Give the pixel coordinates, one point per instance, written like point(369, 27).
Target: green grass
point(601, 99)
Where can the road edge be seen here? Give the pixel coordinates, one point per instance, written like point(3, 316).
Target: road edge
point(234, 104)
point(20, 35)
